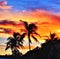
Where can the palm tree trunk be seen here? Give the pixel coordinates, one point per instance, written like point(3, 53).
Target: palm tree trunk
point(29, 46)
point(29, 41)
point(12, 51)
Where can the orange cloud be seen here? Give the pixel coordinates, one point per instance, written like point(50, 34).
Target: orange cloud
point(3, 5)
point(46, 21)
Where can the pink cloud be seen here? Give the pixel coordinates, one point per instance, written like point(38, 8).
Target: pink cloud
point(3, 5)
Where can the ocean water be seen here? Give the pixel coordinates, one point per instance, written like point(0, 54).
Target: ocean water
point(5, 58)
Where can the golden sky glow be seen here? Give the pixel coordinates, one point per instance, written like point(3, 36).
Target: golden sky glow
point(46, 22)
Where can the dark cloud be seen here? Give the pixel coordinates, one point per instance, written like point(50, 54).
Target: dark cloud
point(4, 22)
point(5, 30)
point(11, 23)
point(12, 26)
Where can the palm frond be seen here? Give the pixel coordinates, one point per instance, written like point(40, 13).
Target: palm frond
point(22, 36)
point(9, 38)
point(32, 26)
point(52, 35)
point(21, 45)
point(36, 34)
point(35, 38)
point(25, 24)
point(8, 42)
point(7, 47)
point(12, 47)
point(15, 34)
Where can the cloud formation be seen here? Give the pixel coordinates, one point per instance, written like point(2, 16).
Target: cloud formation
point(9, 27)
point(4, 22)
point(46, 21)
point(5, 30)
point(4, 6)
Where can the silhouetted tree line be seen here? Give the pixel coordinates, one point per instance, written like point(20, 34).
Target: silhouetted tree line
point(48, 50)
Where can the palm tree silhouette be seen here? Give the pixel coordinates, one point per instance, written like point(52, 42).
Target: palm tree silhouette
point(52, 36)
point(14, 43)
point(30, 30)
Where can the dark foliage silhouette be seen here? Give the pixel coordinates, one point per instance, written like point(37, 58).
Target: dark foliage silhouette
point(50, 49)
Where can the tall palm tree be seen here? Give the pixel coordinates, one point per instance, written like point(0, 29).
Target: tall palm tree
point(30, 31)
point(14, 43)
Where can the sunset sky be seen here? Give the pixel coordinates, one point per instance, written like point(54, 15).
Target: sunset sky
point(45, 14)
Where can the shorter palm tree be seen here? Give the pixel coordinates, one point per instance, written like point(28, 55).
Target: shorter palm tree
point(14, 43)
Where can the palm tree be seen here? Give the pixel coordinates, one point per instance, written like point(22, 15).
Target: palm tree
point(52, 36)
point(14, 43)
point(30, 31)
